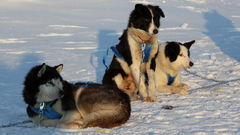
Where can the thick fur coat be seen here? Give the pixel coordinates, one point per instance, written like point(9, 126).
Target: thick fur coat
point(80, 105)
point(172, 57)
point(127, 74)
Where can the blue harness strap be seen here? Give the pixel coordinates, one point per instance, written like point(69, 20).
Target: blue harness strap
point(104, 59)
point(146, 52)
point(170, 79)
point(47, 110)
point(117, 53)
point(86, 84)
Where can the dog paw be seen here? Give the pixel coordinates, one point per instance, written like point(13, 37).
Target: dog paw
point(149, 99)
point(184, 86)
point(134, 97)
point(74, 125)
point(184, 92)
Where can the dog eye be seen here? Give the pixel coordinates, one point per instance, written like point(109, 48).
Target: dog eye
point(147, 20)
point(50, 83)
point(181, 54)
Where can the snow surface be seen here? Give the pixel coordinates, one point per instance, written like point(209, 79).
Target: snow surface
point(77, 34)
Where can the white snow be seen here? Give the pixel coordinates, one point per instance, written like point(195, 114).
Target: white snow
point(184, 26)
point(66, 26)
point(78, 33)
point(55, 35)
point(11, 41)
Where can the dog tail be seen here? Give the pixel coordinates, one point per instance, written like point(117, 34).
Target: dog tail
point(108, 118)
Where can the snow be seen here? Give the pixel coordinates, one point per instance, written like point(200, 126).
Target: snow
point(78, 33)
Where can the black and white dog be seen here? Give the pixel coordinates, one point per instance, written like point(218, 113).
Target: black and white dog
point(165, 67)
point(125, 72)
point(53, 102)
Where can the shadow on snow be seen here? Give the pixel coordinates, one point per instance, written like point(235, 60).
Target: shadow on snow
point(106, 38)
point(222, 31)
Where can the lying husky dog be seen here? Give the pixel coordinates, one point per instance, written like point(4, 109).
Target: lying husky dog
point(53, 102)
point(172, 57)
point(125, 71)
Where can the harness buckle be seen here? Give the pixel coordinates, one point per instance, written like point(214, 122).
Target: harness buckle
point(42, 105)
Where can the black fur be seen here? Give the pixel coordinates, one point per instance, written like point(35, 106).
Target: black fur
point(68, 102)
point(91, 96)
point(153, 62)
point(157, 12)
point(141, 16)
point(115, 67)
point(188, 45)
point(32, 82)
point(172, 50)
point(146, 78)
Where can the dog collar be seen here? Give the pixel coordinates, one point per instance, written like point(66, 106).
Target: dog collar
point(46, 110)
point(170, 79)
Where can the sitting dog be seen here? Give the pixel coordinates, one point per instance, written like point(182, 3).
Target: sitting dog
point(125, 71)
point(172, 57)
point(53, 102)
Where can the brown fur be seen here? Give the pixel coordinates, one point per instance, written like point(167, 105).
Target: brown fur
point(129, 87)
point(146, 38)
point(81, 106)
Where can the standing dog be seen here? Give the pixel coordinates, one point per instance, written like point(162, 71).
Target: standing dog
point(172, 57)
point(53, 102)
point(125, 72)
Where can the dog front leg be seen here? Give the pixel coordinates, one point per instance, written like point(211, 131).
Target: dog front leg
point(71, 120)
point(49, 122)
point(180, 88)
point(172, 89)
point(43, 121)
point(151, 86)
point(139, 80)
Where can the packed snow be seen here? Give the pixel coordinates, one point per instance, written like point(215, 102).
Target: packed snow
point(78, 33)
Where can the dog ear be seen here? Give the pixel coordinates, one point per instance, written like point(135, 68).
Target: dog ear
point(189, 44)
point(42, 70)
point(159, 11)
point(172, 51)
point(59, 68)
point(138, 7)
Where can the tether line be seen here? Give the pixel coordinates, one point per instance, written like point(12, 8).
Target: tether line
point(219, 82)
point(205, 78)
point(15, 124)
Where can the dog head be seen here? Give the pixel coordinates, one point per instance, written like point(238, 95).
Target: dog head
point(146, 18)
point(42, 84)
point(178, 55)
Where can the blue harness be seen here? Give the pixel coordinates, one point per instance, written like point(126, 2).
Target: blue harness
point(170, 79)
point(117, 53)
point(146, 50)
point(86, 84)
point(46, 110)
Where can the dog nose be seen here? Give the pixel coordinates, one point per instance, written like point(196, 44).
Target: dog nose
point(155, 31)
point(191, 64)
point(61, 92)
